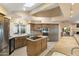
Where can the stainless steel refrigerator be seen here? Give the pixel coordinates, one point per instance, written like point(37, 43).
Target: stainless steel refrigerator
point(54, 33)
point(4, 46)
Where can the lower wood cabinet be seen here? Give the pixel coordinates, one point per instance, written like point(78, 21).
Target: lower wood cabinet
point(20, 41)
point(44, 44)
point(35, 48)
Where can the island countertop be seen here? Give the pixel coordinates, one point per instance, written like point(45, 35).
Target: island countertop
point(19, 35)
point(38, 38)
point(36, 46)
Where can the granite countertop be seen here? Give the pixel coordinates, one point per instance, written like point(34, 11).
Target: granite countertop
point(40, 37)
point(17, 36)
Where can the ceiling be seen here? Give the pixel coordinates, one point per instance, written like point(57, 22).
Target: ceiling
point(54, 12)
point(44, 9)
point(11, 7)
point(17, 6)
point(66, 9)
point(16, 9)
point(44, 6)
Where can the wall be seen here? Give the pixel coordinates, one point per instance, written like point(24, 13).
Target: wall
point(69, 24)
point(13, 22)
point(75, 9)
point(28, 29)
point(20, 17)
point(66, 9)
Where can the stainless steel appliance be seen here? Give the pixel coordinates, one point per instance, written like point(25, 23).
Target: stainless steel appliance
point(4, 46)
point(1, 36)
point(54, 33)
point(11, 45)
point(45, 31)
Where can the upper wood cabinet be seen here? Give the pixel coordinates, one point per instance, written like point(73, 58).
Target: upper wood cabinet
point(35, 27)
point(53, 30)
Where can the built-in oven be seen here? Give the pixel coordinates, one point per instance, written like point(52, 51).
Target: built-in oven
point(11, 45)
point(45, 31)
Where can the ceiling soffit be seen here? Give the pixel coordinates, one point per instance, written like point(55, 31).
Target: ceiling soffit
point(54, 12)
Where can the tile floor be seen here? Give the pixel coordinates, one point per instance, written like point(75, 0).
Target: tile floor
point(57, 54)
point(50, 46)
point(64, 45)
point(20, 52)
point(23, 51)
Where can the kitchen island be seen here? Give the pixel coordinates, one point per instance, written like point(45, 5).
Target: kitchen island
point(36, 45)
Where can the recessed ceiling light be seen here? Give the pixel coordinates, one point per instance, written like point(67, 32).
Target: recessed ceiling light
point(29, 4)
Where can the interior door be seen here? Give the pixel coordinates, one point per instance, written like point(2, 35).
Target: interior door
point(53, 32)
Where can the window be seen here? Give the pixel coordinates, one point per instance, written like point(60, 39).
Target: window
point(19, 29)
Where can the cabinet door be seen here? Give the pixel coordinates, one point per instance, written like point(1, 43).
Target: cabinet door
point(20, 42)
point(16, 43)
point(36, 26)
point(33, 48)
point(44, 44)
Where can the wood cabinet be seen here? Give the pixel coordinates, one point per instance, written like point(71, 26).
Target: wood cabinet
point(35, 27)
point(4, 35)
point(53, 30)
point(20, 41)
point(44, 44)
point(35, 48)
